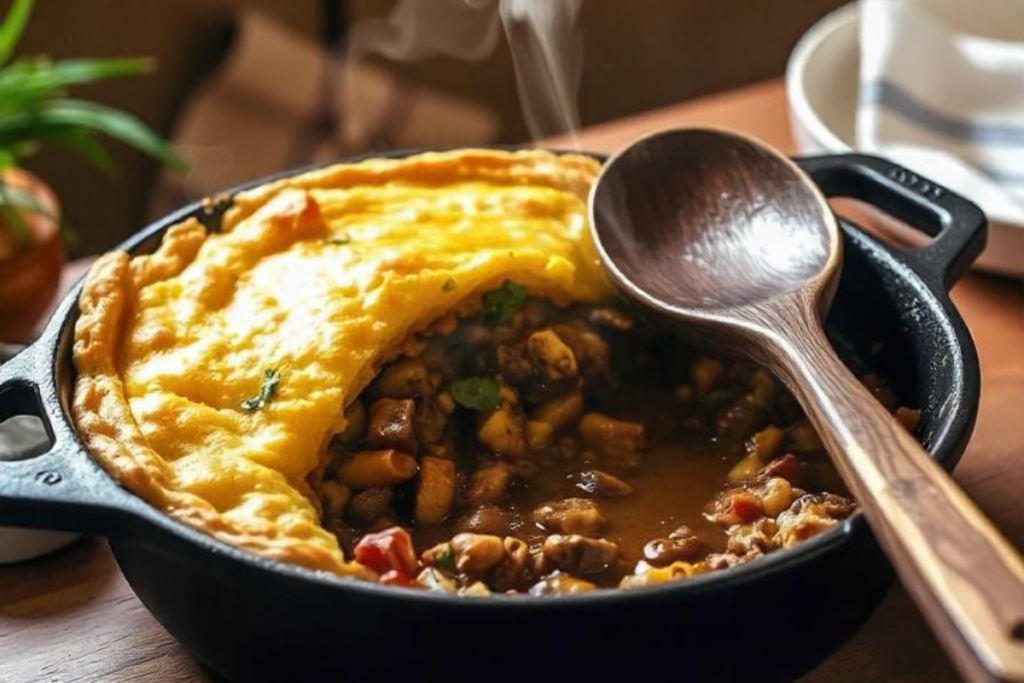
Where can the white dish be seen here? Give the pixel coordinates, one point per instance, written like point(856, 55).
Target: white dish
point(821, 86)
point(25, 437)
point(18, 545)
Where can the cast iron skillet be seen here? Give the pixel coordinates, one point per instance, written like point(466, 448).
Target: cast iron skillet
point(252, 619)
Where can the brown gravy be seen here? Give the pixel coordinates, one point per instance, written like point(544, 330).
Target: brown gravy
point(687, 438)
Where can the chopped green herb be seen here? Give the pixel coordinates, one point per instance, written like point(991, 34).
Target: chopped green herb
point(501, 304)
point(340, 241)
point(476, 393)
point(445, 558)
point(271, 377)
point(448, 285)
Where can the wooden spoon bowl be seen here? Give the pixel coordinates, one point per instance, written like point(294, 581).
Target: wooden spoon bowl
point(712, 222)
point(727, 242)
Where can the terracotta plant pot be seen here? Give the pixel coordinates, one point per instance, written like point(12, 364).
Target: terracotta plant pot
point(29, 276)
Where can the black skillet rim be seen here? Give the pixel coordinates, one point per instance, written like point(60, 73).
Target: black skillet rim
point(945, 450)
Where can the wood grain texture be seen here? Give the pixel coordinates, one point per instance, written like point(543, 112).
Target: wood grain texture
point(71, 617)
point(727, 241)
point(707, 220)
point(965, 576)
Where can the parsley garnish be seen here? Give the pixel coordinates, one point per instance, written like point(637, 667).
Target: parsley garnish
point(445, 558)
point(501, 304)
point(270, 379)
point(476, 393)
point(340, 241)
point(448, 285)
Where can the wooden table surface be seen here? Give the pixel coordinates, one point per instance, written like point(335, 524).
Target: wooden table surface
point(71, 618)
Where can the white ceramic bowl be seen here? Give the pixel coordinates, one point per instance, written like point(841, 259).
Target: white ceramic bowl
point(18, 545)
point(24, 436)
point(821, 86)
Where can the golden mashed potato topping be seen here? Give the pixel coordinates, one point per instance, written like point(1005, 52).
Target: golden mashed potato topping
point(213, 373)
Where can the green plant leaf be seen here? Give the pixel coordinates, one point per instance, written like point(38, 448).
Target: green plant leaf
point(13, 27)
point(13, 222)
point(29, 81)
point(14, 203)
point(23, 199)
point(118, 125)
point(83, 143)
point(68, 234)
point(70, 72)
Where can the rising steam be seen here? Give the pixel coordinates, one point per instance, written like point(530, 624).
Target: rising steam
point(546, 46)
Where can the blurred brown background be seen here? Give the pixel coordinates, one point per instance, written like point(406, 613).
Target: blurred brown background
point(638, 55)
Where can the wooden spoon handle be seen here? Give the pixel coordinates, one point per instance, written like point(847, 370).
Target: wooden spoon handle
point(966, 578)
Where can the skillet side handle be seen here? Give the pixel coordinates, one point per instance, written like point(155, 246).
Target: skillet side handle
point(62, 489)
point(958, 227)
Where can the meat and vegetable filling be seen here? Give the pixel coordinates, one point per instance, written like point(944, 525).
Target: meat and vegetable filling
point(542, 450)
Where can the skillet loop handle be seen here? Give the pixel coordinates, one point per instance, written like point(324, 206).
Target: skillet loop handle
point(60, 489)
point(958, 227)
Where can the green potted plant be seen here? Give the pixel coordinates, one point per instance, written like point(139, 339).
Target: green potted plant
point(35, 109)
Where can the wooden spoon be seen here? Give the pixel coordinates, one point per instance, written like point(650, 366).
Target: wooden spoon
point(730, 243)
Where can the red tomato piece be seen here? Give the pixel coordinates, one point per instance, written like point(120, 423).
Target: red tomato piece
point(388, 551)
point(746, 507)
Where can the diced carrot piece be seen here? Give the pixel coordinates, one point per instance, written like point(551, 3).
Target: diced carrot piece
point(388, 551)
point(908, 417)
point(747, 507)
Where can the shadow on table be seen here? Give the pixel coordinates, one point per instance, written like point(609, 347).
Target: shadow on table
point(894, 646)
